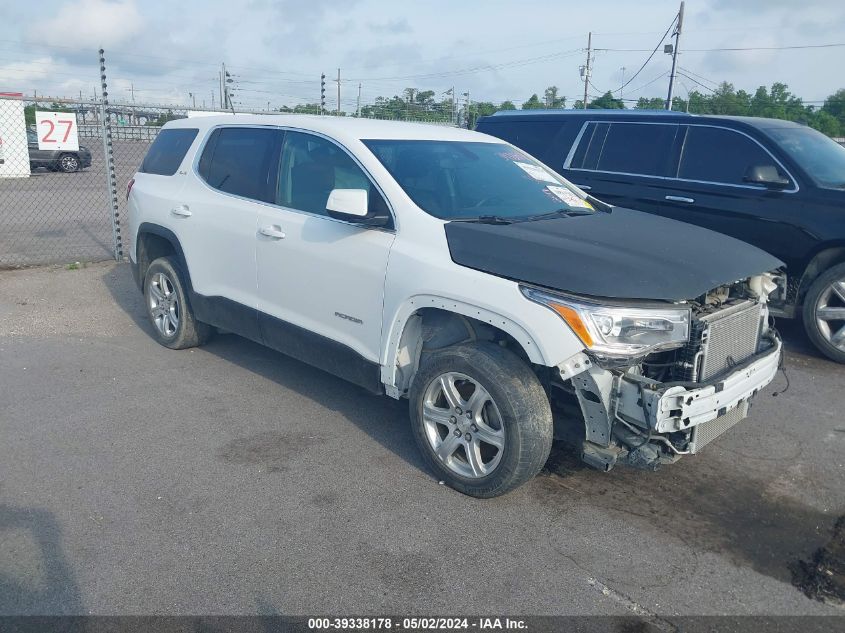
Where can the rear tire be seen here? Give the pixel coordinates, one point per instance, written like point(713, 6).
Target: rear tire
point(169, 309)
point(68, 163)
point(501, 444)
point(824, 313)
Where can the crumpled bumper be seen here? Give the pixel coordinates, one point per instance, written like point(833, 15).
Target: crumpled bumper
point(667, 408)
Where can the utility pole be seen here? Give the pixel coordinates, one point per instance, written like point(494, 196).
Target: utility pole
point(212, 99)
point(220, 86)
point(338, 92)
point(587, 66)
point(454, 108)
point(225, 99)
point(358, 108)
point(675, 55)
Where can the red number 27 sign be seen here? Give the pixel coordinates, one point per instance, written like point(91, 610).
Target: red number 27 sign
point(57, 130)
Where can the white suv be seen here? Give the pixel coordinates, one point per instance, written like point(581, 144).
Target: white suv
point(452, 269)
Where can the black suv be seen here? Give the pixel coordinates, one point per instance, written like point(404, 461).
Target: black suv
point(54, 159)
point(775, 184)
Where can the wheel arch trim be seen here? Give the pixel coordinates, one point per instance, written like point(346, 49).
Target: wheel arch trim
point(413, 305)
point(150, 228)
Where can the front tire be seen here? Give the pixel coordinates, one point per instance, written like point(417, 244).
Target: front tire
point(168, 308)
point(481, 418)
point(824, 313)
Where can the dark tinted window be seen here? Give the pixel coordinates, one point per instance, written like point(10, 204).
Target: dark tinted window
point(715, 154)
point(242, 161)
point(467, 179)
point(820, 156)
point(637, 148)
point(167, 151)
point(535, 137)
point(589, 148)
point(311, 167)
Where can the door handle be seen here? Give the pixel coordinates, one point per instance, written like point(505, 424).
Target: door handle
point(272, 231)
point(583, 187)
point(182, 211)
point(680, 199)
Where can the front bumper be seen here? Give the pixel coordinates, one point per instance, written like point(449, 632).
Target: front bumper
point(679, 407)
point(632, 417)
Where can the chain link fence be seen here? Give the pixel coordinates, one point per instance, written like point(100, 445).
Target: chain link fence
point(53, 203)
point(67, 206)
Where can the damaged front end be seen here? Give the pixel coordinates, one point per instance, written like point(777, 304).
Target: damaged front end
point(693, 379)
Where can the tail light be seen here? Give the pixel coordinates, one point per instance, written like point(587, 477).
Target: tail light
point(129, 187)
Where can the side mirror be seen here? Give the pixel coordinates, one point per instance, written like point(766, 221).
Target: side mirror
point(767, 176)
point(351, 203)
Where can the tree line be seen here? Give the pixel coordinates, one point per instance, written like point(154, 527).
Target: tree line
point(775, 102)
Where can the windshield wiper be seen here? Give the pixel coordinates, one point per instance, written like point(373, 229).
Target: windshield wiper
point(565, 212)
point(487, 219)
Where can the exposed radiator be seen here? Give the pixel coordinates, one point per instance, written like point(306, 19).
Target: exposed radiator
point(730, 337)
point(705, 433)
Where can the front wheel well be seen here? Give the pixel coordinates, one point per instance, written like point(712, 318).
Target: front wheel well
point(821, 262)
point(431, 329)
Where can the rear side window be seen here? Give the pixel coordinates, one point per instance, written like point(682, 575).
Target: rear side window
point(589, 148)
point(713, 154)
point(535, 137)
point(242, 161)
point(637, 148)
point(167, 151)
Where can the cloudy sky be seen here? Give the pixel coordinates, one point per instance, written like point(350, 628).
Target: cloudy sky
point(494, 49)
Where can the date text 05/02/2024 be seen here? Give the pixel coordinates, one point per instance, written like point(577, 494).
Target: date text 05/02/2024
point(415, 624)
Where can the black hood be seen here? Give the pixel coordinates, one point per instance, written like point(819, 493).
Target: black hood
point(621, 254)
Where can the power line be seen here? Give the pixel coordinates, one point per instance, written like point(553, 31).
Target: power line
point(475, 69)
point(687, 70)
point(733, 49)
point(695, 81)
point(648, 59)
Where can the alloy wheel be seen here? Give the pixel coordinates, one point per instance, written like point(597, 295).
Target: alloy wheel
point(830, 314)
point(164, 305)
point(463, 425)
point(69, 163)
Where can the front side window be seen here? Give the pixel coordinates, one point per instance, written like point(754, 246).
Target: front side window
point(469, 180)
point(820, 156)
point(311, 167)
point(713, 154)
point(167, 151)
point(242, 161)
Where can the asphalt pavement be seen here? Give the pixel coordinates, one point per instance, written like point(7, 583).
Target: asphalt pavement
point(233, 480)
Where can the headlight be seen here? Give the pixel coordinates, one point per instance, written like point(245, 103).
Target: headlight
point(619, 331)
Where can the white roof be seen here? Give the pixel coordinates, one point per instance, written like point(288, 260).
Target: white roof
point(341, 128)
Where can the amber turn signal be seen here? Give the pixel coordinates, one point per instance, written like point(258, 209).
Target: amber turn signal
point(574, 321)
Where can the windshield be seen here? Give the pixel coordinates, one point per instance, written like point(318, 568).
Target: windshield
point(821, 157)
point(459, 180)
